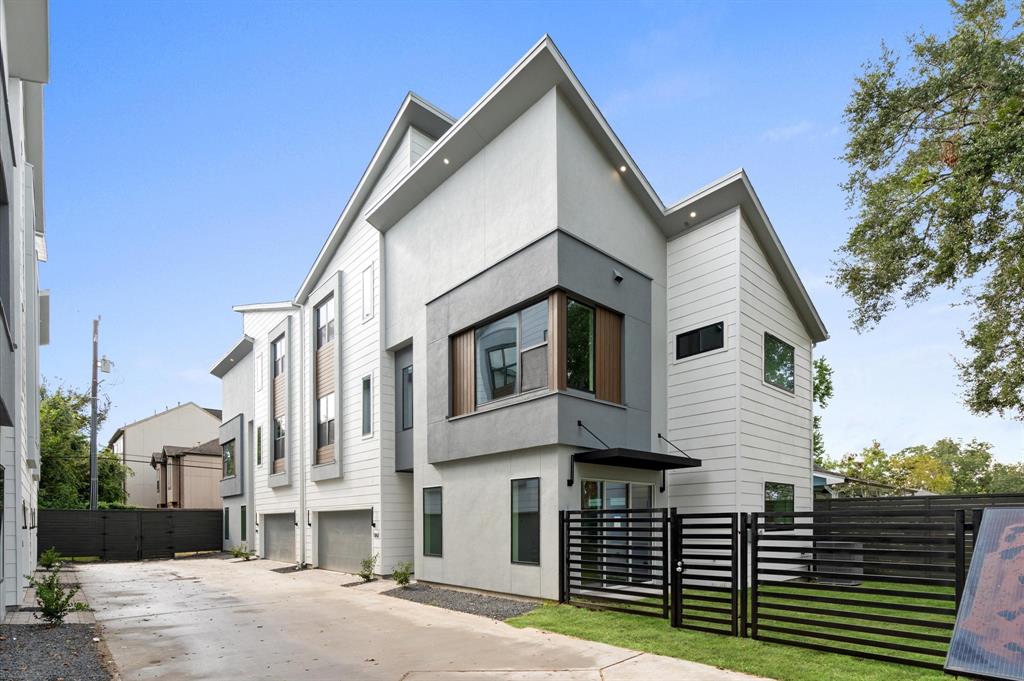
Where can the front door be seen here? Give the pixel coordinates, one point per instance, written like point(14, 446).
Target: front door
point(626, 550)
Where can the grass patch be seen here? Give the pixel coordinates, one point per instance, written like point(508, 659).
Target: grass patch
point(776, 661)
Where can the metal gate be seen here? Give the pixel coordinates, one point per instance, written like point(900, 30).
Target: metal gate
point(706, 572)
point(616, 559)
point(130, 534)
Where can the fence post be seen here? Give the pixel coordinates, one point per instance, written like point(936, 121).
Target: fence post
point(563, 569)
point(744, 549)
point(753, 574)
point(675, 567)
point(960, 549)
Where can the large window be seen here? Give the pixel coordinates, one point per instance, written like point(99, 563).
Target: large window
point(277, 356)
point(778, 498)
point(367, 405)
point(579, 355)
point(432, 525)
point(324, 322)
point(278, 439)
point(512, 354)
point(228, 458)
point(704, 339)
point(779, 363)
point(526, 521)
point(407, 397)
point(325, 421)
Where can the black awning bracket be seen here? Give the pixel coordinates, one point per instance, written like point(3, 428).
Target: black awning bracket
point(674, 446)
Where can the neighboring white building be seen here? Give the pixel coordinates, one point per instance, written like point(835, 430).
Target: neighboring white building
point(185, 425)
point(24, 309)
point(561, 319)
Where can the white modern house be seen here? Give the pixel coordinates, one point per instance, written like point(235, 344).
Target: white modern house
point(507, 321)
point(182, 426)
point(24, 309)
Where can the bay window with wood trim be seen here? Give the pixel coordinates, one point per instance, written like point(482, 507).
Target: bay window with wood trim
point(560, 343)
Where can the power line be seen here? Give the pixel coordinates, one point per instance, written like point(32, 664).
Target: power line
point(133, 460)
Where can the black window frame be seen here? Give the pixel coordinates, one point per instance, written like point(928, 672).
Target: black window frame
point(791, 389)
point(325, 329)
point(702, 346)
point(772, 524)
point(227, 523)
point(259, 445)
point(519, 350)
point(241, 524)
point(592, 369)
point(440, 492)
point(224, 459)
point(512, 526)
point(407, 398)
point(367, 406)
point(325, 426)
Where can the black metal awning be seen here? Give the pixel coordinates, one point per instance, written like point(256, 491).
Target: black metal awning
point(635, 458)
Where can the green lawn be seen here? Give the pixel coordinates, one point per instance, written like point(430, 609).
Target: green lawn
point(777, 661)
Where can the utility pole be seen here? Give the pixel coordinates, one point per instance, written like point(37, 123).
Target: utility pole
point(93, 472)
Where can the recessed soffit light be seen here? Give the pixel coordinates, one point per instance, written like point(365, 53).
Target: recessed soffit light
point(693, 213)
point(446, 161)
point(622, 169)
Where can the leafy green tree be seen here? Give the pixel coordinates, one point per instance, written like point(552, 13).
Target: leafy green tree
point(936, 157)
point(64, 451)
point(822, 392)
point(970, 464)
point(1007, 478)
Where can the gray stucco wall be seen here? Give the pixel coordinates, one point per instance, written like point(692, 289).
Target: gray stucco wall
point(541, 418)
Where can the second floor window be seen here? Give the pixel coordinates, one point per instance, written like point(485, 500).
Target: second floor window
point(324, 322)
point(228, 449)
point(277, 356)
point(579, 352)
point(325, 421)
point(259, 445)
point(779, 363)
point(511, 354)
point(278, 439)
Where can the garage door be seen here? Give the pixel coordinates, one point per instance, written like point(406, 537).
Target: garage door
point(343, 539)
point(279, 537)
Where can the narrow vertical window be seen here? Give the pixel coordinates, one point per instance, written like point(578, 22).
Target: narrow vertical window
point(259, 445)
point(367, 406)
point(324, 314)
point(227, 523)
point(579, 355)
point(368, 293)
point(407, 397)
point(325, 421)
point(526, 521)
point(242, 528)
point(432, 525)
point(277, 355)
point(278, 440)
point(228, 458)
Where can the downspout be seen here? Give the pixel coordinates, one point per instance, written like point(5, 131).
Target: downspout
point(302, 441)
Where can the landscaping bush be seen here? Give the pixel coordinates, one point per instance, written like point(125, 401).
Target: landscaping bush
point(241, 551)
point(50, 558)
point(401, 573)
point(56, 600)
point(366, 567)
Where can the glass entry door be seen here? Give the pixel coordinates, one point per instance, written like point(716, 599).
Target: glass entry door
point(626, 548)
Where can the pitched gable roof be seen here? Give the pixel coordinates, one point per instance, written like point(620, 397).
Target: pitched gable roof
point(540, 70)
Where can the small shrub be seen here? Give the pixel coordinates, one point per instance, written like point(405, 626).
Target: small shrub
point(50, 558)
point(56, 600)
point(366, 567)
point(401, 573)
point(241, 551)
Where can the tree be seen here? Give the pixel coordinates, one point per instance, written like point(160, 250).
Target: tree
point(1007, 478)
point(821, 394)
point(936, 156)
point(970, 464)
point(64, 451)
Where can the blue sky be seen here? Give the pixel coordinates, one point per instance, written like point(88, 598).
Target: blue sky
point(186, 142)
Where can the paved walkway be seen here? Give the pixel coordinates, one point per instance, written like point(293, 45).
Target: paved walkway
point(215, 618)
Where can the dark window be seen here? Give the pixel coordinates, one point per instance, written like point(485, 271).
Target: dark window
point(242, 524)
point(779, 363)
point(325, 322)
point(432, 526)
point(367, 405)
point(228, 456)
point(579, 355)
point(407, 397)
point(325, 421)
point(259, 445)
point(512, 354)
point(778, 498)
point(227, 523)
point(278, 439)
point(526, 521)
point(277, 356)
point(700, 340)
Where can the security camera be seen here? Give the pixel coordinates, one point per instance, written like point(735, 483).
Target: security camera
point(618, 276)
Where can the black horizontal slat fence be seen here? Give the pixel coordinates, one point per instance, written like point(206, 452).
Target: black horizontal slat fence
point(129, 534)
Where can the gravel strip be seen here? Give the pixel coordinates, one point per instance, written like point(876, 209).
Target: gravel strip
point(34, 652)
point(495, 607)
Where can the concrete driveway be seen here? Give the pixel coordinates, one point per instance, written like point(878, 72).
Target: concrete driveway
point(213, 618)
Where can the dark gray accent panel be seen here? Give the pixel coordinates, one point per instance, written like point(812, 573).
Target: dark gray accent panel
point(403, 436)
point(343, 539)
point(540, 418)
point(233, 430)
point(333, 470)
point(279, 537)
point(130, 535)
point(291, 439)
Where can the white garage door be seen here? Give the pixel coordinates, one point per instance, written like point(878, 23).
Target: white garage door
point(279, 537)
point(343, 539)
